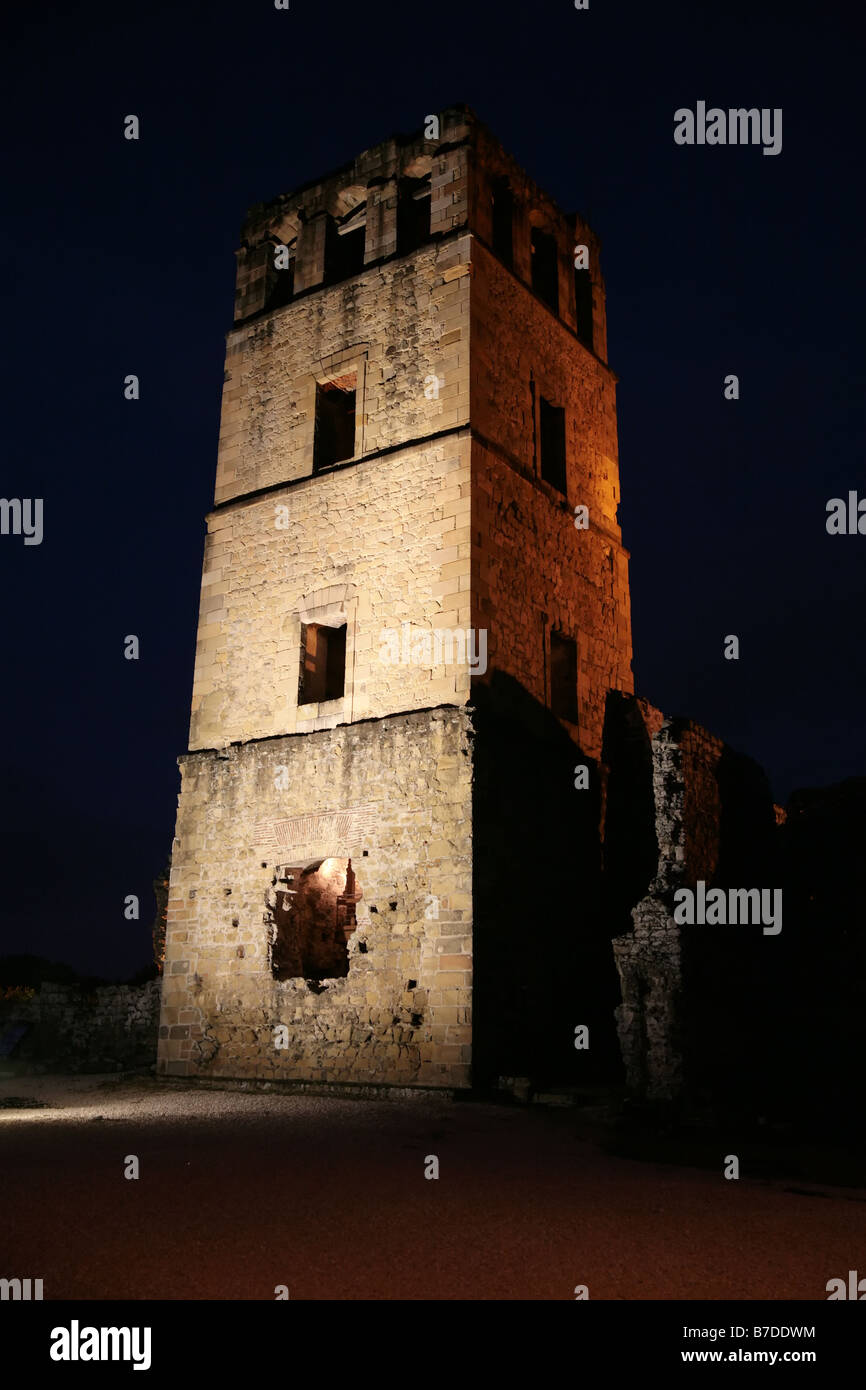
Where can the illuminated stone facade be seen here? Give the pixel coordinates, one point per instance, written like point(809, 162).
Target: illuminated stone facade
point(417, 411)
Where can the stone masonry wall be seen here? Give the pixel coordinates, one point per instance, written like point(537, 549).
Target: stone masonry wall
point(532, 569)
point(382, 543)
point(110, 1028)
point(364, 191)
point(396, 325)
point(701, 752)
point(520, 351)
point(649, 958)
point(691, 994)
point(402, 1014)
point(534, 208)
point(385, 540)
point(534, 572)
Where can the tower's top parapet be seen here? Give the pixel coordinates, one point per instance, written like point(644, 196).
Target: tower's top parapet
point(449, 175)
point(343, 189)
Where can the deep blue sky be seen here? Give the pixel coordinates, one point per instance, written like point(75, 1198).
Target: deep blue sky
point(118, 257)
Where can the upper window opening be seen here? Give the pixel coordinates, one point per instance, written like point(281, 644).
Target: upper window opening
point(583, 306)
point(335, 422)
point(344, 250)
point(563, 676)
point(279, 283)
point(551, 429)
point(323, 663)
point(503, 220)
point(545, 268)
point(413, 214)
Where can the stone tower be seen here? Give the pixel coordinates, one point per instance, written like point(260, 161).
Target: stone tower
point(407, 633)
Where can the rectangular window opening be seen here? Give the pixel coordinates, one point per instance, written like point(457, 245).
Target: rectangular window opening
point(503, 221)
point(551, 422)
point(563, 677)
point(323, 663)
point(335, 422)
point(545, 268)
point(413, 214)
point(583, 306)
point(344, 251)
point(279, 283)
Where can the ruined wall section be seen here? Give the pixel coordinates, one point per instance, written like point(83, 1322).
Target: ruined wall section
point(532, 569)
point(701, 753)
point(110, 1028)
point(402, 1014)
point(649, 958)
point(692, 995)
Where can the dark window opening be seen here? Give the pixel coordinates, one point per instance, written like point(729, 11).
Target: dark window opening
point(413, 215)
point(545, 268)
point(551, 420)
point(503, 221)
point(312, 917)
point(344, 252)
point(583, 306)
point(563, 677)
point(279, 284)
point(323, 663)
point(335, 422)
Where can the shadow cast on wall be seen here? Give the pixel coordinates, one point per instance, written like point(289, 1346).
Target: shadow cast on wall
point(542, 957)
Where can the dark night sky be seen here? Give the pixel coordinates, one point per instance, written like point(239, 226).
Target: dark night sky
point(119, 258)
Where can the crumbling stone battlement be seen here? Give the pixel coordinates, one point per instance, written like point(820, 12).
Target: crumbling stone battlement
point(361, 203)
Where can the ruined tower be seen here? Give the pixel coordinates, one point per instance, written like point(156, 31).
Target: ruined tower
point(414, 603)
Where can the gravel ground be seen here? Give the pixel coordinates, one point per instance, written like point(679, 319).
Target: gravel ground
point(75, 1099)
point(242, 1191)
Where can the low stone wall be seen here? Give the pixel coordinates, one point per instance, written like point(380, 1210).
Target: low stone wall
point(113, 1028)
